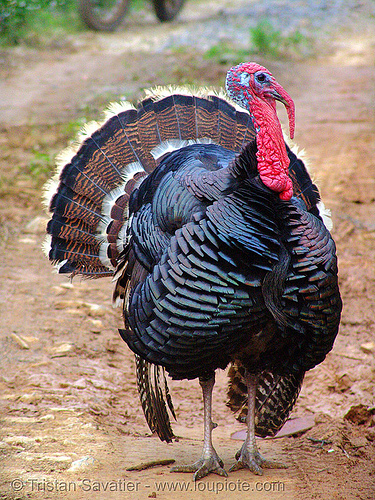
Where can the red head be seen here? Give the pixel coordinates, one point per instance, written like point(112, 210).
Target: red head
point(255, 89)
point(248, 81)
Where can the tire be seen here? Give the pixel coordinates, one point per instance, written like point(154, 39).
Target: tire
point(103, 15)
point(166, 10)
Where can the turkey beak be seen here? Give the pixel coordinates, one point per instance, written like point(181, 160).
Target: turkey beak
point(281, 95)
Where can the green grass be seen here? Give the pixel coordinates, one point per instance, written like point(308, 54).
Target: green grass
point(137, 5)
point(39, 166)
point(43, 22)
point(268, 41)
point(37, 22)
point(49, 28)
point(30, 154)
point(226, 54)
point(264, 40)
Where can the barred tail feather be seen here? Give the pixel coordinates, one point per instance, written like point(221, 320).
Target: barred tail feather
point(155, 398)
point(275, 398)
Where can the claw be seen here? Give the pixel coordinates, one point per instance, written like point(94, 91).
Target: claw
point(203, 467)
point(253, 460)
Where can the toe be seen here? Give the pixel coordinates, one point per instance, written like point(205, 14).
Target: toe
point(221, 472)
point(252, 460)
point(254, 467)
point(202, 472)
point(236, 466)
point(247, 464)
point(203, 467)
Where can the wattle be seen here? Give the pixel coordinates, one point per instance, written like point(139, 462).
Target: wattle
point(273, 161)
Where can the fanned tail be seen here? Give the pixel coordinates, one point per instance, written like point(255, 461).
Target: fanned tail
point(90, 192)
point(275, 398)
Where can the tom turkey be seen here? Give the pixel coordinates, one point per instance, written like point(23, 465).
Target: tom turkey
point(212, 228)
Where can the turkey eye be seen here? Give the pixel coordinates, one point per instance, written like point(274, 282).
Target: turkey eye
point(261, 77)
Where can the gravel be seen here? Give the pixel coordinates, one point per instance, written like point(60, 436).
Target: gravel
point(230, 21)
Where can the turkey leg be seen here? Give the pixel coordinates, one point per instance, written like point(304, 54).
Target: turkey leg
point(209, 461)
point(248, 457)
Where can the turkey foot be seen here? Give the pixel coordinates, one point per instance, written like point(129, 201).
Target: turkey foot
point(209, 461)
point(205, 465)
point(248, 457)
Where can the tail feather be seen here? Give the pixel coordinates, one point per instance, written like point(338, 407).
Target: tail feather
point(227, 124)
point(275, 397)
point(185, 108)
point(148, 130)
point(303, 187)
point(155, 398)
point(128, 148)
point(167, 117)
point(75, 229)
point(245, 130)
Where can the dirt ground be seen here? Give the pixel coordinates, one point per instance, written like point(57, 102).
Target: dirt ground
point(70, 415)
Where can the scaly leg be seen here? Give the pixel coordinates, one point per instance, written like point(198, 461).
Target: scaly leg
point(248, 457)
point(209, 461)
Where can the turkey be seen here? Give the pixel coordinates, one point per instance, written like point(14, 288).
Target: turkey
point(215, 235)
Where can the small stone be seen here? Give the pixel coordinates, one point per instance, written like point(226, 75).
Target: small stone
point(102, 384)
point(30, 398)
point(75, 312)
point(94, 309)
point(67, 286)
point(82, 464)
point(65, 304)
point(49, 416)
point(59, 290)
point(61, 409)
point(19, 440)
point(59, 462)
point(29, 339)
point(27, 241)
point(62, 349)
point(368, 347)
point(22, 343)
point(97, 325)
point(80, 383)
point(20, 420)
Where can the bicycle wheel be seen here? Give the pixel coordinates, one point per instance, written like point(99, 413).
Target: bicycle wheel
point(166, 10)
point(103, 15)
